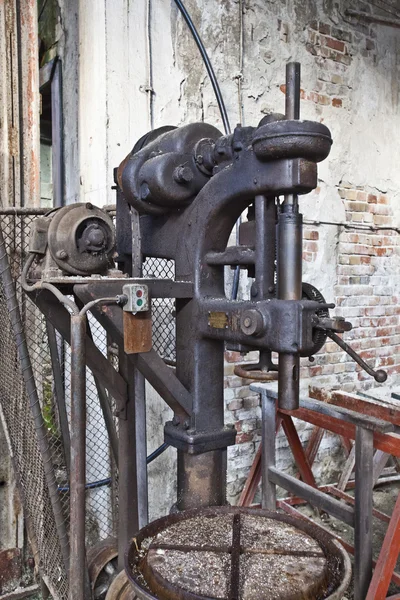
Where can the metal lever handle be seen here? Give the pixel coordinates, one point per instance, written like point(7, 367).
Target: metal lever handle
point(380, 375)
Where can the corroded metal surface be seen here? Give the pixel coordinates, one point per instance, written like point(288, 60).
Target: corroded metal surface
point(100, 565)
point(120, 589)
point(235, 553)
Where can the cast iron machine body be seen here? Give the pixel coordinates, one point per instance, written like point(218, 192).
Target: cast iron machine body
point(179, 194)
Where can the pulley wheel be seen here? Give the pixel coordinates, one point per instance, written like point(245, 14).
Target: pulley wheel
point(120, 588)
point(103, 567)
point(236, 553)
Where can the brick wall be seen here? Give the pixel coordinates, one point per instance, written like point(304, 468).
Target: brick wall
point(365, 293)
point(356, 266)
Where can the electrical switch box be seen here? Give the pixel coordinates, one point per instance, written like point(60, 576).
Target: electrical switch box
point(138, 298)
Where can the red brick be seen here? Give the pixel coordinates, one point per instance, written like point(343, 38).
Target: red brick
point(335, 44)
point(372, 199)
point(311, 235)
point(337, 102)
point(242, 438)
point(311, 246)
point(233, 357)
point(315, 371)
point(361, 196)
point(324, 28)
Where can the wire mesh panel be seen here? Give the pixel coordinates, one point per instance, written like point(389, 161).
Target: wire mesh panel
point(101, 473)
point(16, 415)
point(50, 357)
point(163, 309)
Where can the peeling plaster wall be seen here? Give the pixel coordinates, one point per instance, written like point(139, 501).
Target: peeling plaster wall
point(133, 74)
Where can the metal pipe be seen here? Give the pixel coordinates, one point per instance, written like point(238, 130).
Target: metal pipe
point(139, 393)
point(265, 223)
point(128, 509)
point(265, 251)
point(79, 588)
point(289, 265)
point(30, 386)
point(59, 392)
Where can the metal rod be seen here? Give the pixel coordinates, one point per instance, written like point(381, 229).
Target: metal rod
point(128, 509)
point(141, 448)
point(101, 390)
point(59, 392)
point(139, 391)
point(289, 264)
point(78, 575)
point(268, 407)
point(265, 222)
point(265, 251)
point(292, 100)
point(380, 375)
point(30, 385)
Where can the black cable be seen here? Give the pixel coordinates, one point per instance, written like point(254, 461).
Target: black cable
point(220, 100)
point(207, 64)
point(103, 482)
point(157, 452)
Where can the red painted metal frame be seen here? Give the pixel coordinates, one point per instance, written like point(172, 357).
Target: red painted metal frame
point(388, 442)
point(387, 558)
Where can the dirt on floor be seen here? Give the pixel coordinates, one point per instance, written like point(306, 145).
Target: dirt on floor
point(385, 497)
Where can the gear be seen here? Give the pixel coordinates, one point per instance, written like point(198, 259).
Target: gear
point(319, 336)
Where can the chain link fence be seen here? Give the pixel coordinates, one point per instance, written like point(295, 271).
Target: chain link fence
point(46, 347)
point(16, 415)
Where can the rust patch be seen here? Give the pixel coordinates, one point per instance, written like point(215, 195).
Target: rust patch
point(10, 567)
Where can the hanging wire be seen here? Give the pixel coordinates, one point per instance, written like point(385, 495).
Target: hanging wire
point(208, 65)
point(359, 227)
point(239, 76)
point(105, 482)
point(149, 50)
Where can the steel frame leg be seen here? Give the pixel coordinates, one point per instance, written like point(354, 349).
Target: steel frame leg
point(363, 512)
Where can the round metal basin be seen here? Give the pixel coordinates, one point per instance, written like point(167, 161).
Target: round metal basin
point(236, 554)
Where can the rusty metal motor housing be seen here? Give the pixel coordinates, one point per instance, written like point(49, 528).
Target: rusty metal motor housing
point(77, 240)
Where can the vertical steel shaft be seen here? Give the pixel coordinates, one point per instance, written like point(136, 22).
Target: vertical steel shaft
point(289, 265)
point(265, 221)
point(78, 580)
point(128, 521)
point(292, 105)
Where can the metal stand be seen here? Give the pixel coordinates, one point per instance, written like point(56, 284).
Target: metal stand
point(371, 427)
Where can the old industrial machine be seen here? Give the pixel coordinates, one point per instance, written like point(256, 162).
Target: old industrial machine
point(180, 193)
